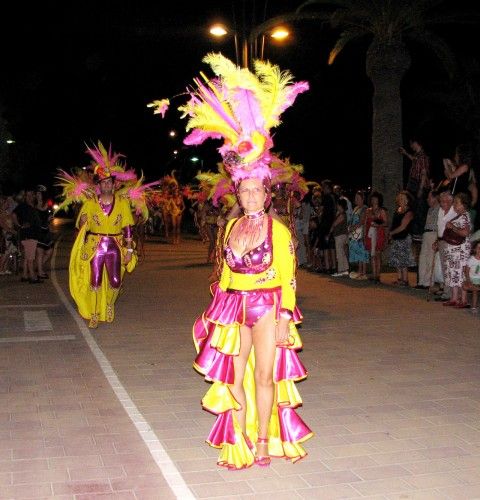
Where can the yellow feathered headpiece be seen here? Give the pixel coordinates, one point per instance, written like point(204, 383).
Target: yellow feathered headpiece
point(239, 107)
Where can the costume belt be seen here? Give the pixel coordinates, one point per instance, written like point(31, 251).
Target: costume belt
point(255, 291)
point(104, 234)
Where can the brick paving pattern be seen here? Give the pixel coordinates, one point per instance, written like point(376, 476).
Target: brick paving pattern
point(392, 393)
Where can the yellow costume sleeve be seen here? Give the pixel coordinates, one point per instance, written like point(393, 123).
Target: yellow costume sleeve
point(126, 211)
point(284, 261)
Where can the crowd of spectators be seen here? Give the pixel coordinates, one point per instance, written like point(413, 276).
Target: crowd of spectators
point(433, 230)
point(25, 234)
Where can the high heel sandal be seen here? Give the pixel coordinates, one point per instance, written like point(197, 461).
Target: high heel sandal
point(250, 445)
point(263, 460)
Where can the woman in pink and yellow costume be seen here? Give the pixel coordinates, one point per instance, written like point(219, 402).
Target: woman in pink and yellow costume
point(246, 339)
point(103, 248)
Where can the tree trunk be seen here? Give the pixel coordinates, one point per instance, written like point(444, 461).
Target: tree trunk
point(386, 65)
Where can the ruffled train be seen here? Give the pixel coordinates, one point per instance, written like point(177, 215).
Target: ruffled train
point(216, 335)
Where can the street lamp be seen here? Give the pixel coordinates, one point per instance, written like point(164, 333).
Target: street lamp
point(219, 31)
point(249, 43)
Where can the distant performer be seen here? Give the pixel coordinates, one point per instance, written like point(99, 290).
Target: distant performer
point(103, 248)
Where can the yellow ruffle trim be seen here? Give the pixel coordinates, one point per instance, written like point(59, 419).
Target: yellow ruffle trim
point(287, 394)
point(219, 399)
point(290, 451)
point(226, 339)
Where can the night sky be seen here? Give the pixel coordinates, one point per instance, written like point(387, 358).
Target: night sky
point(76, 72)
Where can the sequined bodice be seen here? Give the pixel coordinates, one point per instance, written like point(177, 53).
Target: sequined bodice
point(256, 260)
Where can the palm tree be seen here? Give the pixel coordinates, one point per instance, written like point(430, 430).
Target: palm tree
point(457, 102)
point(390, 25)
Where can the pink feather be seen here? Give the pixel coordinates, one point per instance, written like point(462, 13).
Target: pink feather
point(247, 110)
point(128, 175)
point(198, 136)
point(223, 187)
point(291, 95)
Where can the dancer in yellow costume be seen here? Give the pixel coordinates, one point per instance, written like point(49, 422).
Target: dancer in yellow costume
point(246, 339)
point(103, 248)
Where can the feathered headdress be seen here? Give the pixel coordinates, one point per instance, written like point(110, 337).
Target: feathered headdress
point(290, 175)
point(217, 187)
point(76, 187)
point(241, 108)
point(79, 187)
point(106, 164)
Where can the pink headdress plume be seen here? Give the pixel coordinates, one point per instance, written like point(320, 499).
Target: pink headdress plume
point(289, 175)
point(239, 107)
point(138, 195)
point(218, 186)
point(105, 163)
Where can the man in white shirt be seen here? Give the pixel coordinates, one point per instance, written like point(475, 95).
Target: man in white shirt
point(445, 214)
point(338, 192)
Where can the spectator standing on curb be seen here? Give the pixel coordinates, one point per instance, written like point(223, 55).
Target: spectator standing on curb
point(472, 276)
point(376, 224)
point(27, 221)
point(356, 236)
point(426, 261)
point(446, 212)
point(418, 185)
point(457, 253)
point(340, 234)
point(401, 255)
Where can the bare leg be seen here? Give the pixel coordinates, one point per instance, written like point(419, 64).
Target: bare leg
point(404, 274)
point(47, 256)
point(39, 258)
point(239, 364)
point(177, 225)
point(263, 334)
point(30, 270)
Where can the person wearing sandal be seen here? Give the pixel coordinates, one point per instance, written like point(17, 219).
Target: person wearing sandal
point(246, 340)
point(456, 255)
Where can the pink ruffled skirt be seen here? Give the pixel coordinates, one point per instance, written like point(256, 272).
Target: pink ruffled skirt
point(216, 334)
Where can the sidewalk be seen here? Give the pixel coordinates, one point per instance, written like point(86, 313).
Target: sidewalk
point(392, 393)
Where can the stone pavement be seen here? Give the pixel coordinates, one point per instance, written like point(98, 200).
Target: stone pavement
point(392, 393)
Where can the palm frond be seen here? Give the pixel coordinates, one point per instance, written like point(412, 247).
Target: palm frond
point(334, 4)
point(438, 46)
point(453, 17)
point(346, 37)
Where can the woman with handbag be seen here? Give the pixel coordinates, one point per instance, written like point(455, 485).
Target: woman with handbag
point(457, 250)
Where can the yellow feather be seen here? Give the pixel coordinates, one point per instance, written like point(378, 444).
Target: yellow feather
point(274, 85)
point(205, 118)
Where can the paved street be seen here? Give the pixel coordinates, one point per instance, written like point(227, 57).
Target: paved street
point(392, 395)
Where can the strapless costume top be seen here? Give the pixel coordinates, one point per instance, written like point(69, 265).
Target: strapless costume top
point(256, 260)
